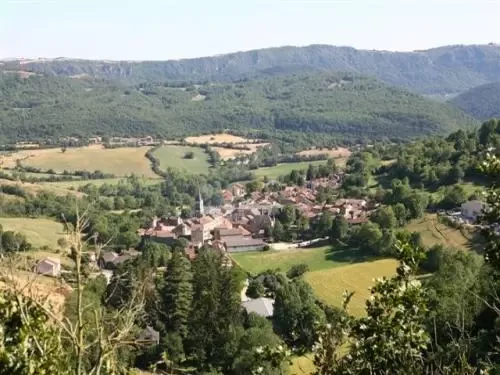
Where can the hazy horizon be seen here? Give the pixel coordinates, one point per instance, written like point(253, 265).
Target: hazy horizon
point(172, 30)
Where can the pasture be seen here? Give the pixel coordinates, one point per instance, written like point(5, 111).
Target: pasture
point(38, 232)
point(173, 157)
point(38, 188)
point(434, 233)
point(318, 258)
point(75, 184)
point(123, 161)
point(330, 284)
point(284, 168)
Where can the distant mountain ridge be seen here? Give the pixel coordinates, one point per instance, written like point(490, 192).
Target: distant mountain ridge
point(342, 105)
point(482, 102)
point(447, 70)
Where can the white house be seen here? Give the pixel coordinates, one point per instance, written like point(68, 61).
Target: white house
point(49, 267)
point(472, 209)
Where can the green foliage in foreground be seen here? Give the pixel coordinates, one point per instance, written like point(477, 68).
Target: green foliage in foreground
point(345, 105)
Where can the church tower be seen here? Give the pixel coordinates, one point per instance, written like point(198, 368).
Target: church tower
point(201, 209)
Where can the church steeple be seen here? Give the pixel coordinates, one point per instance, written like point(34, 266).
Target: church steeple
point(201, 209)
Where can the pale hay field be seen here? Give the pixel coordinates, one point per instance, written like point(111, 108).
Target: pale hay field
point(333, 153)
point(216, 138)
point(118, 161)
point(330, 284)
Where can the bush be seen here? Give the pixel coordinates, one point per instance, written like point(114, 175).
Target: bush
point(297, 271)
point(255, 289)
point(189, 155)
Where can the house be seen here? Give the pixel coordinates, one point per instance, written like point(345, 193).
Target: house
point(262, 306)
point(227, 196)
point(238, 190)
point(472, 209)
point(236, 244)
point(150, 335)
point(49, 267)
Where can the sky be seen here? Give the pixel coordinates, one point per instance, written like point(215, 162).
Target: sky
point(173, 29)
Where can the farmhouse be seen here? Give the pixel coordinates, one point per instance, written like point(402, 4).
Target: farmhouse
point(471, 210)
point(262, 306)
point(49, 267)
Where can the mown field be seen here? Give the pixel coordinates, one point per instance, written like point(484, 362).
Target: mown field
point(317, 258)
point(434, 233)
point(330, 284)
point(119, 161)
point(38, 232)
point(173, 157)
point(285, 168)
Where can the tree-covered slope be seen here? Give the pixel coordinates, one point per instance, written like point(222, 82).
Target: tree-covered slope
point(344, 105)
point(482, 102)
point(445, 70)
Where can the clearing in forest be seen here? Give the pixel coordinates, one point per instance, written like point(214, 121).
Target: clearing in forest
point(175, 157)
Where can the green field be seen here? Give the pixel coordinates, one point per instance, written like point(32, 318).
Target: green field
point(330, 284)
point(173, 156)
point(123, 161)
point(38, 232)
point(112, 181)
point(318, 258)
point(285, 168)
point(434, 233)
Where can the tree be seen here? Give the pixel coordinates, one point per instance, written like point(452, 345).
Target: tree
point(278, 231)
point(297, 271)
point(303, 224)
point(324, 225)
point(384, 217)
point(255, 289)
point(454, 196)
point(29, 342)
point(400, 212)
point(177, 294)
point(296, 314)
point(416, 204)
point(368, 238)
point(311, 173)
point(215, 321)
point(340, 228)
point(391, 338)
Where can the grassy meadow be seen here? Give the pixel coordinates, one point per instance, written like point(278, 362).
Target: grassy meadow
point(118, 161)
point(173, 156)
point(434, 233)
point(284, 168)
point(317, 258)
point(330, 284)
point(38, 232)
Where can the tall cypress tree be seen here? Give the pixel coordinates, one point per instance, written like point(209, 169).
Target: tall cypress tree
point(177, 294)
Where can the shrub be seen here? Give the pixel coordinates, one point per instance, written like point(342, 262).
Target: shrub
point(189, 155)
point(255, 289)
point(297, 271)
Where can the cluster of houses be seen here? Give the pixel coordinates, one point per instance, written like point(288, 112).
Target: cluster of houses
point(244, 221)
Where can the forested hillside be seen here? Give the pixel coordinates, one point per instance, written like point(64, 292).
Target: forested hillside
point(444, 70)
point(342, 105)
point(482, 102)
